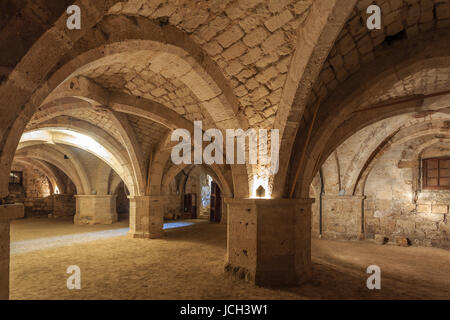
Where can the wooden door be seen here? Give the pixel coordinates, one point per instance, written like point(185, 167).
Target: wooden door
point(190, 206)
point(216, 203)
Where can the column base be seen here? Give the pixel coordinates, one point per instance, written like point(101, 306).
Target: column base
point(269, 241)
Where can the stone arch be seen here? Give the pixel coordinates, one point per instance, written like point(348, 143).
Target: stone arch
point(159, 179)
point(316, 38)
point(217, 94)
point(342, 121)
point(331, 175)
point(359, 185)
point(26, 78)
point(429, 144)
point(80, 88)
point(118, 162)
point(102, 178)
point(73, 169)
point(41, 166)
point(114, 184)
point(121, 103)
point(212, 170)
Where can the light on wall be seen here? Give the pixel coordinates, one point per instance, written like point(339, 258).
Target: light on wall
point(261, 188)
point(57, 190)
point(260, 192)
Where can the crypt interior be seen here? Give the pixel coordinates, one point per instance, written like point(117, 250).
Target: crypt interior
point(86, 176)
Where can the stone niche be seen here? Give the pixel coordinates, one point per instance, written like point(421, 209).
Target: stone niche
point(269, 241)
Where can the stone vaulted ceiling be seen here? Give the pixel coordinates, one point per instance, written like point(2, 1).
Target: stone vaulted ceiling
point(252, 42)
point(357, 46)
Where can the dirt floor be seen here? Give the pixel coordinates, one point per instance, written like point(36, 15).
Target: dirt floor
point(188, 264)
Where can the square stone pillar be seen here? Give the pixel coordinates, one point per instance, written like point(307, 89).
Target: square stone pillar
point(342, 217)
point(7, 213)
point(147, 216)
point(224, 205)
point(269, 241)
point(95, 209)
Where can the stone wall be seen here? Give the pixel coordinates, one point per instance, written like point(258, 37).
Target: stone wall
point(174, 207)
point(396, 204)
point(57, 205)
point(391, 204)
point(34, 185)
point(342, 217)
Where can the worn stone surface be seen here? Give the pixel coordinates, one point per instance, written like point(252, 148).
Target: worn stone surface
point(263, 233)
point(396, 203)
point(401, 241)
point(147, 217)
point(240, 36)
point(342, 217)
point(95, 209)
point(381, 239)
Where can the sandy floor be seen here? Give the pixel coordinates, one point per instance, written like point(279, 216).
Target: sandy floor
point(188, 262)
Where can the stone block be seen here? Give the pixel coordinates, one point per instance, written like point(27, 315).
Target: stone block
point(147, 217)
point(439, 208)
point(95, 209)
point(230, 36)
point(278, 21)
point(424, 208)
point(255, 37)
point(269, 241)
point(381, 239)
point(402, 241)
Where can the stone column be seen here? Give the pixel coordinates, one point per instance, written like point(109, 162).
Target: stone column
point(7, 213)
point(95, 209)
point(224, 218)
point(342, 217)
point(269, 241)
point(147, 216)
